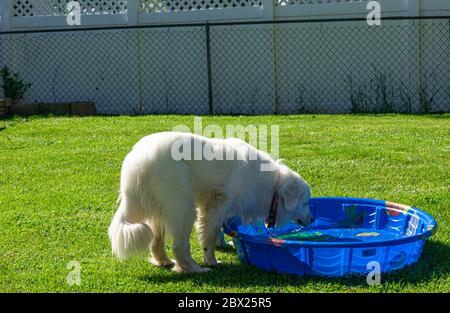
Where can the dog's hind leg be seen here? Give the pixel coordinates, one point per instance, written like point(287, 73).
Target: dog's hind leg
point(158, 246)
point(181, 250)
point(179, 217)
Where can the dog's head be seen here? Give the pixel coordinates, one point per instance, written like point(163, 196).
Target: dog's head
point(293, 198)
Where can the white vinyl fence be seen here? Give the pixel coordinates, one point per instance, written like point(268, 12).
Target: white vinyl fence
point(254, 68)
point(33, 14)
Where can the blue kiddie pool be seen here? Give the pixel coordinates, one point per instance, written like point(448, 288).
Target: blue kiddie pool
point(346, 235)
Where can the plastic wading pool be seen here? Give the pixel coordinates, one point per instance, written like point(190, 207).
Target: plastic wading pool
point(347, 234)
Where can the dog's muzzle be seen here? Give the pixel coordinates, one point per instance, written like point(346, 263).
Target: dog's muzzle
point(305, 223)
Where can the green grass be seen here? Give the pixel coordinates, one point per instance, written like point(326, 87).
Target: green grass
point(59, 179)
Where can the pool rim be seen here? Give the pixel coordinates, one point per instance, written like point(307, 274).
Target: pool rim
point(430, 229)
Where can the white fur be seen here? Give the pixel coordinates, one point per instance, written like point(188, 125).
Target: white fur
point(160, 195)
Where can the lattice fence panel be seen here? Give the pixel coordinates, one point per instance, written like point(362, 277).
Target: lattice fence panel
point(159, 6)
point(300, 2)
point(59, 7)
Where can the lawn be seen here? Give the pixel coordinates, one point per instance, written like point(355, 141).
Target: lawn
point(59, 179)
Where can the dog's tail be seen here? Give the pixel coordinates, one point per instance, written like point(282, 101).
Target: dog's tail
point(128, 232)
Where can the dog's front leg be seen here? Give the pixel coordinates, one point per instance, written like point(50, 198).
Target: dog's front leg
point(209, 224)
point(209, 246)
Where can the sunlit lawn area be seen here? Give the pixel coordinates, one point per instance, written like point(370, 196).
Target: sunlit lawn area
point(59, 178)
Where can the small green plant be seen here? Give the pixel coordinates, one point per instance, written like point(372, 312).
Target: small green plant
point(427, 96)
point(359, 99)
point(384, 92)
point(379, 94)
point(306, 101)
point(13, 86)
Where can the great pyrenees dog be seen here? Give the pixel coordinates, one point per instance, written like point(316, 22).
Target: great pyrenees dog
point(173, 180)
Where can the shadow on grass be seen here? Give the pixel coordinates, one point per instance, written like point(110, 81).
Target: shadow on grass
point(433, 264)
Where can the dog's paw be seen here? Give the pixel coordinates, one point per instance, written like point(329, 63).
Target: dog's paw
point(192, 270)
point(161, 263)
point(212, 263)
point(204, 270)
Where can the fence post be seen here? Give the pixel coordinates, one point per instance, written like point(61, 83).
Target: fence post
point(423, 96)
point(208, 64)
point(268, 10)
point(133, 20)
point(412, 63)
point(133, 12)
point(269, 15)
point(415, 9)
point(5, 13)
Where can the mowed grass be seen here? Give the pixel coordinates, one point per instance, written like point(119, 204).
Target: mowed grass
point(59, 179)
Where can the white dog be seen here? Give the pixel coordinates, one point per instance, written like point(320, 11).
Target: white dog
point(162, 193)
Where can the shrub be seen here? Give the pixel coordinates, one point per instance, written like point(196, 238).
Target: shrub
point(13, 86)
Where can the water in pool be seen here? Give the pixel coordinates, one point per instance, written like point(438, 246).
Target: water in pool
point(294, 232)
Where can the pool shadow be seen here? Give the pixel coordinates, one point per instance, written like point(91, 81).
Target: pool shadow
point(433, 264)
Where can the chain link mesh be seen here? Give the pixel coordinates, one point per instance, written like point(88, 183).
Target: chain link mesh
point(288, 68)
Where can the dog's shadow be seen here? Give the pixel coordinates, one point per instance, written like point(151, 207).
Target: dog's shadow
point(432, 265)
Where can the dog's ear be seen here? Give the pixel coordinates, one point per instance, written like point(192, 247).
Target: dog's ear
point(290, 192)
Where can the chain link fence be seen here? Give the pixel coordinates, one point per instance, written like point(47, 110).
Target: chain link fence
point(291, 67)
